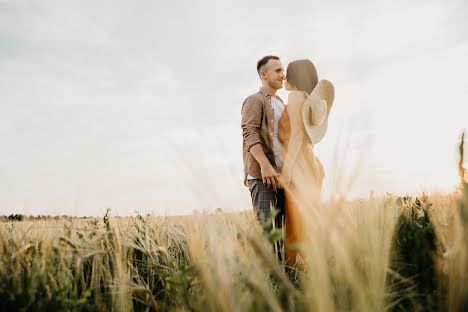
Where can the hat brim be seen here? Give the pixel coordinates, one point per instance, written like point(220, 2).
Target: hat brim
point(324, 90)
point(317, 133)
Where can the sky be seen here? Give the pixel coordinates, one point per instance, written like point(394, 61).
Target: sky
point(135, 106)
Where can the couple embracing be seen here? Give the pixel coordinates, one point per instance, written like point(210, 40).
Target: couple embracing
point(280, 166)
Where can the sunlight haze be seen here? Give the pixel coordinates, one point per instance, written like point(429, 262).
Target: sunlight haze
point(136, 105)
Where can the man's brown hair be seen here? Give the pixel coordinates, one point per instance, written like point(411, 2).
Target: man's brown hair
point(262, 62)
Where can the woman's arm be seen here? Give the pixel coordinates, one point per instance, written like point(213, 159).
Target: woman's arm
point(295, 101)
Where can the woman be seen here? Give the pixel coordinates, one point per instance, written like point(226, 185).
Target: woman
point(302, 174)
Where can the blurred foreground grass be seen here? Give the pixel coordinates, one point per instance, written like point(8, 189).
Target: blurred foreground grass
point(401, 254)
point(386, 254)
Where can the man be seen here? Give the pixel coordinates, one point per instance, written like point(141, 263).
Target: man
point(261, 149)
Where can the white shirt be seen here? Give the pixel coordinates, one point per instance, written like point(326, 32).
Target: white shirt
point(278, 107)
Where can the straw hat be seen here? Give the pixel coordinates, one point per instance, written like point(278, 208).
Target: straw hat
point(316, 109)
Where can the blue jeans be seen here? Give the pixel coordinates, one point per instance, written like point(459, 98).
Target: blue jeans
point(264, 200)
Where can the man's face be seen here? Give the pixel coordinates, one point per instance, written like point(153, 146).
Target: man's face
point(273, 74)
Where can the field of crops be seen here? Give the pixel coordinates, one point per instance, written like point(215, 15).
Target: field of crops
point(398, 254)
point(385, 254)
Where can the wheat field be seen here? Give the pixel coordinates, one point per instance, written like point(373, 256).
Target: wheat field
point(385, 254)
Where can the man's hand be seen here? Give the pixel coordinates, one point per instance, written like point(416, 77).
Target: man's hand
point(269, 175)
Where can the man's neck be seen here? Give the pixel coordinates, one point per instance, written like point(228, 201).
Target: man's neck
point(270, 90)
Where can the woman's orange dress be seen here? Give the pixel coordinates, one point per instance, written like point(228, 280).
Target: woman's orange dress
point(307, 175)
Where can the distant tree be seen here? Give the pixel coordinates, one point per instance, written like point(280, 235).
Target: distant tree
point(15, 217)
